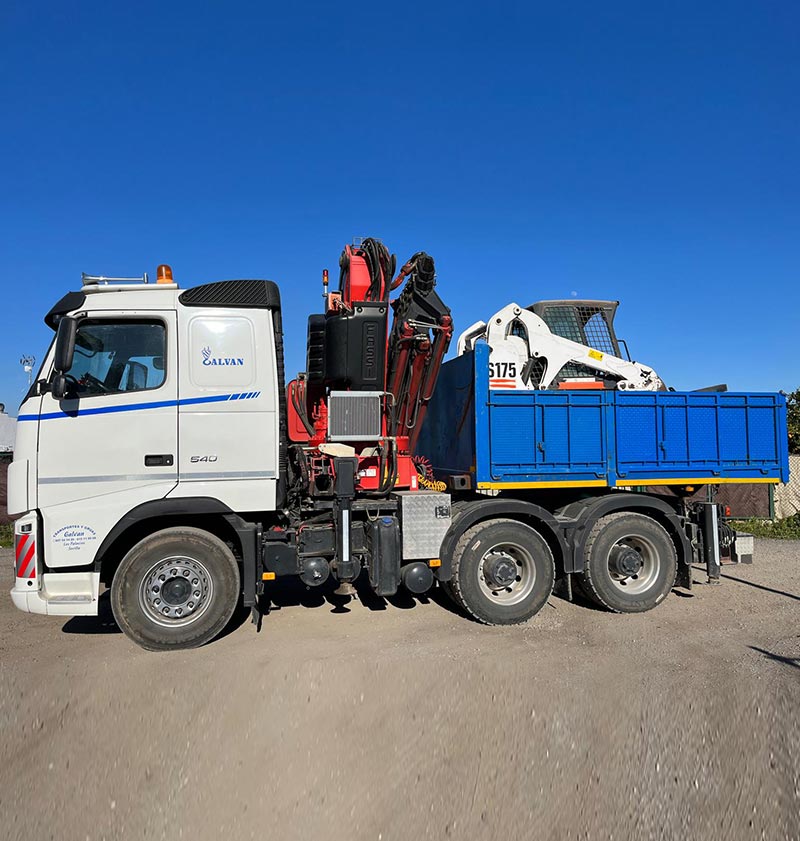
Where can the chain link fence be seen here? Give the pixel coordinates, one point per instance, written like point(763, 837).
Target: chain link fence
point(787, 497)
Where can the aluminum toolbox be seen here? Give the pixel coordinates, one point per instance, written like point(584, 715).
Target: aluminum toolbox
point(425, 519)
point(539, 439)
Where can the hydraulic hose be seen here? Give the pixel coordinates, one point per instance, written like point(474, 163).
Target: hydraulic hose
point(381, 265)
point(300, 409)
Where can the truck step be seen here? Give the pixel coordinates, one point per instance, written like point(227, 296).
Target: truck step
point(69, 599)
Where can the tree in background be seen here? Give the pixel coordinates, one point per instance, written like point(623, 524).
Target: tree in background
point(794, 422)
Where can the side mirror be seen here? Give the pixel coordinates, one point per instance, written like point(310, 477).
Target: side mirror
point(58, 386)
point(65, 344)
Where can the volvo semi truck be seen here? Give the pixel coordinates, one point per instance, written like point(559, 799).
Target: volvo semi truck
point(160, 454)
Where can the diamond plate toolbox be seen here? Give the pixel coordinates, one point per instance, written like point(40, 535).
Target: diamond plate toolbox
point(425, 519)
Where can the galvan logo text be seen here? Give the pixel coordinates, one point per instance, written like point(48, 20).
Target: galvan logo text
point(208, 359)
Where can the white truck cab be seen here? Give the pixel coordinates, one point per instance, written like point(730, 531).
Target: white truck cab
point(169, 403)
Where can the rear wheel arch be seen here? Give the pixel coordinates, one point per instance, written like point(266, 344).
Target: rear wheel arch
point(473, 512)
point(589, 512)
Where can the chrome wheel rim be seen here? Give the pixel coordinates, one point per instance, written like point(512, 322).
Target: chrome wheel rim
point(507, 573)
point(633, 564)
point(176, 591)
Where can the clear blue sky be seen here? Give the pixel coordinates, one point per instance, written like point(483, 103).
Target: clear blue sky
point(646, 152)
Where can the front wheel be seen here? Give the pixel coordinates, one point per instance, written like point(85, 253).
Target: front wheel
point(503, 572)
point(175, 589)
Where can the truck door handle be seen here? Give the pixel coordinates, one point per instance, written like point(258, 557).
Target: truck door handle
point(153, 460)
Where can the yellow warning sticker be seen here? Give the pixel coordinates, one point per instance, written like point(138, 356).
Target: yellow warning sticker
point(595, 354)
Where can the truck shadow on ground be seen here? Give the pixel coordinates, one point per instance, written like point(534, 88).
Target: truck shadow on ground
point(580, 598)
point(103, 623)
point(287, 593)
point(762, 587)
point(750, 584)
point(291, 592)
point(778, 658)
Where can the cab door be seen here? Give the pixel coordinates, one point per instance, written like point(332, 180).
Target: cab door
point(112, 444)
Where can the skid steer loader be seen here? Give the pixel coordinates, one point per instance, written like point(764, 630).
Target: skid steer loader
point(558, 345)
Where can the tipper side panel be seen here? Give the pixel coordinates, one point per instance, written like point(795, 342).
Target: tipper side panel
point(547, 437)
point(713, 436)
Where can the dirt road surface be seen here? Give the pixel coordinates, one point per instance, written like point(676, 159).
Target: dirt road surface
point(411, 722)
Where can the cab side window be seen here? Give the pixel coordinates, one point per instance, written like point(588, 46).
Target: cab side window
point(116, 357)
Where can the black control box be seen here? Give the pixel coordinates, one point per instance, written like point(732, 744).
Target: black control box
point(355, 347)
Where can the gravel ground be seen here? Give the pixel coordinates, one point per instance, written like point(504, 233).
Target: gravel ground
point(406, 721)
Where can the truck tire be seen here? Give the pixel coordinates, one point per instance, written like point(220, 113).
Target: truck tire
point(175, 589)
point(630, 563)
point(503, 572)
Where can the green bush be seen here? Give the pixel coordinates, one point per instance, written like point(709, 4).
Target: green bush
point(788, 529)
point(6, 535)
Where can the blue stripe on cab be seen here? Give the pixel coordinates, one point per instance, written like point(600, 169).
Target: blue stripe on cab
point(134, 407)
point(193, 401)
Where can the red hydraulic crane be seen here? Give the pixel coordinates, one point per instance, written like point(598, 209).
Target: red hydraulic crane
point(366, 388)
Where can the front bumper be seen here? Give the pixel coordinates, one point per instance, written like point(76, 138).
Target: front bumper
point(48, 593)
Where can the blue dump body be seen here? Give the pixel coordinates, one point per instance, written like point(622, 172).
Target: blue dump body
point(541, 439)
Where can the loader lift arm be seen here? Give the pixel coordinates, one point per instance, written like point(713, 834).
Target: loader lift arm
point(522, 342)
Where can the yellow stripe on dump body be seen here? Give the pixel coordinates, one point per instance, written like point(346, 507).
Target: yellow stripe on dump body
point(706, 481)
point(601, 483)
point(498, 486)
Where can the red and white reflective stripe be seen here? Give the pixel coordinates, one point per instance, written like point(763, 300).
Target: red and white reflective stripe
point(26, 556)
point(502, 382)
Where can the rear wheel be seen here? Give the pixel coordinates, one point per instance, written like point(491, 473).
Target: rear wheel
point(630, 563)
point(503, 572)
point(175, 589)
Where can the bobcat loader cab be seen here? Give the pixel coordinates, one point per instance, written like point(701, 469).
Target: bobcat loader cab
point(151, 402)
